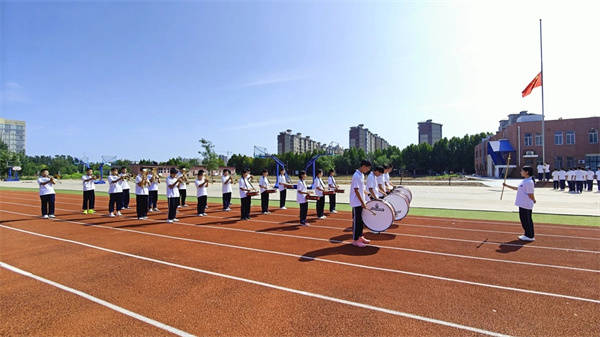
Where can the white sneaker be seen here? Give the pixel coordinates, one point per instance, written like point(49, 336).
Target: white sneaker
point(334, 211)
point(203, 214)
point(45, 216)
point(179, 206)
point(157, 210)
point(52, 216)
point(200, 214)
point(119, 213)
point(141, 218)
point(169, 221)
point(322, 217)
point(526, 238)
point(304, 224)
point(111, 215)
point(144, 218)
point(176, 220)
point(283, 207)
point(227, 209)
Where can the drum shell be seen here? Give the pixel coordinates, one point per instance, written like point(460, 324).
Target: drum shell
point(399, 203)
point(405, 191)
point(384, 215)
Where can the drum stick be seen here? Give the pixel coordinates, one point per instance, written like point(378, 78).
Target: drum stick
point(505, 175)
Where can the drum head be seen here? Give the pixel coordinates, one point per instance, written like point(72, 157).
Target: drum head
point(400, 204)
point(405, 191)
point(378, 216)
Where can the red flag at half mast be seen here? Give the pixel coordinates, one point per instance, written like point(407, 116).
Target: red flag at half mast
point(537, 81)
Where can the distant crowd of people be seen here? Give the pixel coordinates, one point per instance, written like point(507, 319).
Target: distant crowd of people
point(577, 179)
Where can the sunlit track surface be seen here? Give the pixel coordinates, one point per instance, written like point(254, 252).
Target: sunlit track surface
point(270, 277)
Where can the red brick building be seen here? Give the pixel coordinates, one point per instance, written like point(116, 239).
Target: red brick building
point(569, 143)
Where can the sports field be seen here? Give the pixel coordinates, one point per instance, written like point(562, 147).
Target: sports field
point(217, 276)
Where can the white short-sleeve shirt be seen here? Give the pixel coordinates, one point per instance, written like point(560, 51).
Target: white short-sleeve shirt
point(263, 181)
point(547, 168)
point(88, 185)
point(301, 197)
point(372, 184)
point(555, 175)
point(580, 175)
point(182, 185)
point(318, 183)
point(226, 184)
point(45, 189)
point(153, 185)
point(590, 175)
point(200, 190)
point(540, 168)
point(282, 179)
point(562, 175)
point(113, 184)
point(331, 182)
point(358, 181)
point(124, 183)
point(380, 181)
point(598, 175)
point(525, 188)
point(243, 184)
point(172, 192)
point(140, 190)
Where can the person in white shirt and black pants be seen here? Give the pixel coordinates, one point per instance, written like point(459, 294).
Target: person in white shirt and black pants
point(47, 194)
point(154, 180)
point(201, 185)
point(89, 196)
point(141, 194)
point(124, 187)
point(555, 180)
point(245, 199)
point(358, 195)
point(579, 179)
point(598, 178)
point(227, 181)
point(302, 192)
point(263, 183)
point(115, 192)
point(332, 187)
point(525, 200)
point(562, 177)
point(319, 188)
point(589, 176)
point(173, 194)
point(182, 186)
point(282, 185)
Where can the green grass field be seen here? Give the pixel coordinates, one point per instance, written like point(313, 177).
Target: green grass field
point(560, 219)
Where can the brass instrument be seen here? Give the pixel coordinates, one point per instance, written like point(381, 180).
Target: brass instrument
point(54, 180)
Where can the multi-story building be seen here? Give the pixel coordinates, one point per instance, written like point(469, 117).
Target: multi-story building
point(296, 143)
point(360, 137)
point(429, 132)
point(12, 133)
point(568, 143)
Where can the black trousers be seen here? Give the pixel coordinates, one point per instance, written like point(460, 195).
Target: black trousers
point(89, 198)
point(282, 196)
point(182, 196)
point(201, 205)
point(303, 212)
point(321, 206)
point(548, 176)
point(173, 203)
point(540, 176)
point(152, 199)
point(579, 186)
point(264, 202)
point(555, 184)
point(115, 200)
point(526, 221)
point(357, 223)
point(141, 205)
point(562, 184)
point(48, 204)
point(226, 200)
point(125, 199)
point(598, 183)
point(332, 202)
point(590, 185)
point(570, 184)
point(245, 209)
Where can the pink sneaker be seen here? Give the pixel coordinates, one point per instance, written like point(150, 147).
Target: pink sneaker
point(358, 243)
point(364, 240)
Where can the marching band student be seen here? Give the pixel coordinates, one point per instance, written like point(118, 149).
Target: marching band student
point(579, 179)
point(125, 187)
point(173, 180)
point(589, 176)
point(380, 181)
point(154, 180)
point(227, 181)
point(332, 187)
point(386, 177)
point(141, 194)
point(598, 178)
point(525, 200)
point(571, 180)
point(244, 197)
point(283, 184)
point(562, 176)
point(302, 192)
point(201, 185)
point(47, 194)
point(319, 188)
point(182, 187)
point(547, 171)
point(540, 172)
point(263, 183)
point(555, 179)
point(358, 194)
point(89, 196)
point(373, 186)
point(115, 192)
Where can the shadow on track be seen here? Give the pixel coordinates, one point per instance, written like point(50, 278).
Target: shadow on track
point(511, 246)
point(347, 249)
point(368, 235)
point(280, 228)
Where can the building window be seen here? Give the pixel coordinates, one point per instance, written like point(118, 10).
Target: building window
point(571, 162)
point(570, 135)
point(528, 139)
point(593, 136)
point(558, 163)
point(538, 139)
point(558, 138)
point(592, 161)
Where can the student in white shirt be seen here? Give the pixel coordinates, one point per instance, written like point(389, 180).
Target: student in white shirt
point(173, 180)
point(540, 172)
point(579, 179)
point(555, 180)
point(547, 171)
point(525, 200)
point(374, 183)
point(141, 194)
point(154, 180)
point(358, 195)
point(282, 185)
point(562, 177)
point(124, 187)
point(598, 178)
point(571, 180)
point(386, 177)
point(589, 177)
point(115, 192)
point(201, 185)
point(319, 187)
point(245, 199)
point(182, 186)
point(332, 187)
point(302, 192)
point(263, 183)
point(47, 194)
point(227, 182)
point(89, 195)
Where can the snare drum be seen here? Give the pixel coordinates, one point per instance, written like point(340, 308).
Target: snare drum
point(403, 190)
point(378, 216)
point(312, 197)
point(328, 192)
point(272, 190)
point(251, 193)
point(400, 204)
point(339, 190)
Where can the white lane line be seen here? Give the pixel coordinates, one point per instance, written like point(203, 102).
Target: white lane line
point(490, 242)
point(440, 278)
point(272, 286)
point(94, 299)
point(200, 226)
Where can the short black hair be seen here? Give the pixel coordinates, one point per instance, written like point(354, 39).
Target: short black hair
point(173, 170)
point(245, 170)
point(319, 171)
point(389, 166)
point(365, 163)
point(379, 169)
point(265, 171)
point(331, 171)
point(89, 169)
point(114, 169)
point(301, 173)
point(200, 172)
point(122, 168)
point(226, 170)
point(528, 169)
point(44, 169)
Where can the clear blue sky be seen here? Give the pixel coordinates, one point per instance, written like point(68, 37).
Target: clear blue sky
point(147, 79)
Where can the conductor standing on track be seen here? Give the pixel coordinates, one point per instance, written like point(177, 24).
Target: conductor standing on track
point(525, 201)
point(358, 195)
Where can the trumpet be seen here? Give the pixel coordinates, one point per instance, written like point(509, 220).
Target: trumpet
point(54, 180)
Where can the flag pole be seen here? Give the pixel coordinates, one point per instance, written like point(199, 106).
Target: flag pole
point(542, 80)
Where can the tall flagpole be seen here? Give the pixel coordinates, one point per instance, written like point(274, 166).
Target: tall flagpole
point(543, 116)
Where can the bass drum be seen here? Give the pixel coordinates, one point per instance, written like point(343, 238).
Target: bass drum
point(400, 204)
point(405, 191)
point(378, 216)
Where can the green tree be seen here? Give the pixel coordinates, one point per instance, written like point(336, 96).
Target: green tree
point(210, 159)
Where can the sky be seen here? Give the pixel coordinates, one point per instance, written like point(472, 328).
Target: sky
point(147, 80)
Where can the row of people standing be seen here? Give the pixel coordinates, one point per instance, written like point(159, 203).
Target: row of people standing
point(576, 179)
